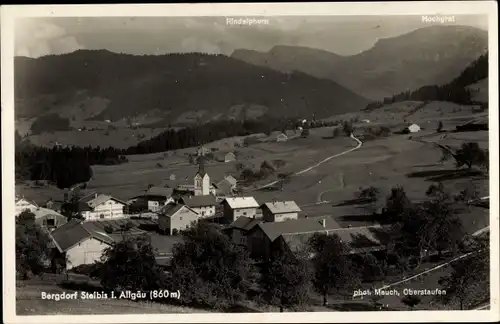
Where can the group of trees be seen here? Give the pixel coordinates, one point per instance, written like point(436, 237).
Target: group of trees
point(455, 91)
point(65, 166)
point(468, 155)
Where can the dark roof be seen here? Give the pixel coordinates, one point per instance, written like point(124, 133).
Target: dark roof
point(198, 201)
point(302, 225)
point(160, 192)
point(75, 231)
point(245, 223)
point(170, 209)
point(223, 188)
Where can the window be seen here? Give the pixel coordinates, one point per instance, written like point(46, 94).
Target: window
point(244, 213)
point(101, 216)
point(180, 217)
point(202, 213)
point(50, 222)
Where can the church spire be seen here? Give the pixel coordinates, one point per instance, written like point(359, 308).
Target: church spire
point(201, 166)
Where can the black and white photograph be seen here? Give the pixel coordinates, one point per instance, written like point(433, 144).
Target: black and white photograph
point(294, 160)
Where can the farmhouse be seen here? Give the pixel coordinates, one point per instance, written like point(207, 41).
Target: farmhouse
point(202, 151)
point(176, 217)
point(79, 243)
point(229, 157)
point(236, 207)
point(49, 219)
point(23, 204)
point(279, 211)
point(294, 234)
point(414, 128)
point(84, 242)
point(204, 206)
point(281, 138)
point(95, 207)
point(225, 187)
point(157, 197)
point(239, 229)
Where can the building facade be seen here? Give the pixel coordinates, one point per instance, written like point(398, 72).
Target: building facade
point(102, 207)
point(236, 207)
point(280, 211)
point(86, 252)
point(204, 205)
point(176, 218)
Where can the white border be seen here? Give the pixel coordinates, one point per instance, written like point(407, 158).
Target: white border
point(10, 13)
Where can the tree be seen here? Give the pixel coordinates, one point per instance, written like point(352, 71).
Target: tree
point(336, 132)
point(284, 178)
point(348, 128)
point(32, 246)
point(285, 281)
point(130, 264)
point(369, 196)
point(442, 229)
point(468, 195)
point(266, 168)
point(397, 205)
point(411, 301)
point(220, 270)
point(333, 270)
point(440, 127)
point(470, 154)
point(469, 278)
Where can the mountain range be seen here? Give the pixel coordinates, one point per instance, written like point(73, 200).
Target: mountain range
point(430, 55)
point(287, 81)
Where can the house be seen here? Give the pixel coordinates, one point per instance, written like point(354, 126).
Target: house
point(414, 128)
point(204, 206)
point(79, 244)
point(176, 217)
point(48, 218)
point(229, 157)
point(225, 187)
point(265, 237)
point(281, 138)
point(235, 207)
point(157, 197)
point(98, 206)
point(239, 229)
point(279, 211)
point(84, 242)
point(23, 204)
point(54, 205)
point(202, 151)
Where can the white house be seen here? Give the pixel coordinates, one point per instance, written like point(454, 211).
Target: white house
point(48, 218)
point(23, 204)
point(176, 217)
point(229, 157)
point(414, 128)
point(279, 211)
point(79, 244)
point(157, 197)
point(236, 207)
point(204, 206)
point(281, 138)
point(96, 207)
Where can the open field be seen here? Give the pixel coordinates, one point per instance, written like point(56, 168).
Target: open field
point(29, 302)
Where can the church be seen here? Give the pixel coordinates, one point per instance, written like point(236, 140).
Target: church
point(201, 186)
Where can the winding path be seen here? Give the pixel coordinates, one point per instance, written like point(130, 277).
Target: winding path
point(317, 164)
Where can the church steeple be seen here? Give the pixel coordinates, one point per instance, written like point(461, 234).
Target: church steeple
point(201, 166)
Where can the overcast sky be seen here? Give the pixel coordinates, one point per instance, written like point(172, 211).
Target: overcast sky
point(344, 35)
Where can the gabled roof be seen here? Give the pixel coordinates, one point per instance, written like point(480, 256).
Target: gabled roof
point(76, 231)
point(241, 202)
point(18, 199)
point(171, 209)
point(302, 225)
point(223, 188)
point(279, 207)
point(92, 201)
point(245, 223)
point(160, 192)
point(231, 180)
point(41, 212)
point(198, 201)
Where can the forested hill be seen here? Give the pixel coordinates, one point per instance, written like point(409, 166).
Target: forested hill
point(175, 85)
point(456, 91)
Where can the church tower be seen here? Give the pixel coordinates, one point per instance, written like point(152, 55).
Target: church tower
point(201, 179)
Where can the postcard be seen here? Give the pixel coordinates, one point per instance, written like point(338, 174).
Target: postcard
point(244, 162)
